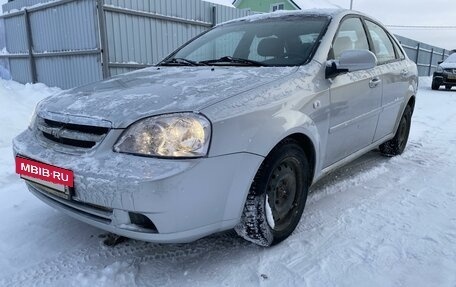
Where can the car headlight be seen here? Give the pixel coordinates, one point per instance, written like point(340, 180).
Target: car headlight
point(172, 135)
point(32, 120)
point(439, 69)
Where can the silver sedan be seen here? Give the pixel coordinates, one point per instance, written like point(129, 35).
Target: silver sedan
point(229, 131)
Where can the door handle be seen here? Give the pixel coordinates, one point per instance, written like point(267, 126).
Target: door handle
point(374, 82)
point(404, 73)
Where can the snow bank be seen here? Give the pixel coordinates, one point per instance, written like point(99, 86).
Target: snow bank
point(17, 104)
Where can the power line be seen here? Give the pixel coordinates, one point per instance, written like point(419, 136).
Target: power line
point(421, 27)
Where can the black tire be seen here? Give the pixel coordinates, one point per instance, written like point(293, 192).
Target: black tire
point(396, 145)
point(448, 87)
point(435, 86)
point(277, 196)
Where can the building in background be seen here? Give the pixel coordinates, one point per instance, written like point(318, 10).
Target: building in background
point(265, 5)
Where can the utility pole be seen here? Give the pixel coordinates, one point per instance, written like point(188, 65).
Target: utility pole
point(351, 4)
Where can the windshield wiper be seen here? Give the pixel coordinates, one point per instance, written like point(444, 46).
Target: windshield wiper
point(229, 59)
point(181, 61)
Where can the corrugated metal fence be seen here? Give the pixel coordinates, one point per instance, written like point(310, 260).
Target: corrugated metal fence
point(67, 43)
point(54, 43)
point(425, 56)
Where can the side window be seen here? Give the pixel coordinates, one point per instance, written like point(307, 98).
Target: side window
point(399, 53)
point(383, 47)
point(351, 35)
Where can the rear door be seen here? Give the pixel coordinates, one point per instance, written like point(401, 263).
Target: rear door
point(394, 74)
point(355, 97)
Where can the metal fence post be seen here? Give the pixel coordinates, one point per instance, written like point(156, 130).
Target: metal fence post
point(443, 55)
point(417, 53)
point(28, 29)
point(430, 61)
point(214, 16)
point(103, 39)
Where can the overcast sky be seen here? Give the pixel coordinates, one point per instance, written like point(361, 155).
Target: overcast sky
point(407, 12)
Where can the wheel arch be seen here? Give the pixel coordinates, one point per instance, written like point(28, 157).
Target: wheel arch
point(309, 149)
point(411, 103)
point(307, 145)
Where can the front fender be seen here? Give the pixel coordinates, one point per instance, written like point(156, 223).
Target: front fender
point(256, 121)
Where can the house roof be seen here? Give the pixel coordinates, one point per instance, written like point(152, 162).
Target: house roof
point(312, 4)
point(221, 2)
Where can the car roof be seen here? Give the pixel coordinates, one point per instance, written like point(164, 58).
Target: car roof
point(329, 12)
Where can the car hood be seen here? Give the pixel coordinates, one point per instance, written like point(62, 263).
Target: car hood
point(127, 98)
point(448, 65)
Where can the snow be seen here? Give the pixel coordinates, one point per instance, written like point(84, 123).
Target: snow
point(221, 2)
point(451, 59)
point(45, 2)
point(17, 104)
point(312, 4)
point(269, 216)
point(303, 4)
point(376, 222)
point(284, 13)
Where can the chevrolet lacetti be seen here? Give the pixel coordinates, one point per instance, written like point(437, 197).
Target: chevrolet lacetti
point(229, 131)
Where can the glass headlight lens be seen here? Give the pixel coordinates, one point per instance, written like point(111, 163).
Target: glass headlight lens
point(173, 135)
point(32, 120)
point(439, 69)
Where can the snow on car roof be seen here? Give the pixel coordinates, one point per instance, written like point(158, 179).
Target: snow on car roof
point(451, 58)
point(285, 13)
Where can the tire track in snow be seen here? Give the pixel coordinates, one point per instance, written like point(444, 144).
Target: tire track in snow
point(81, 261)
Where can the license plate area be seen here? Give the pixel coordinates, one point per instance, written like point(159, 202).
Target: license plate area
point(59, 190)
point(452, 77)
point(47, 178)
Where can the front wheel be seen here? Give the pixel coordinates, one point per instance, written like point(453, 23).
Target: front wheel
point(448, 87)
point(396, 145)
point(435, 86)
point(277, 196)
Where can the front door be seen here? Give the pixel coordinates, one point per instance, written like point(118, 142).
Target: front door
point(355, 98)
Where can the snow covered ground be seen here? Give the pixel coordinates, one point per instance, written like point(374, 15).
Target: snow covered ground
point(377, 222)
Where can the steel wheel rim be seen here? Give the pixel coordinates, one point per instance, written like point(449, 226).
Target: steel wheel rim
point(402, 132)
point(283, 193)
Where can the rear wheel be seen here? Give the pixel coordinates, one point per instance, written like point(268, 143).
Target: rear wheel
point(396, 145)
point(277, 196)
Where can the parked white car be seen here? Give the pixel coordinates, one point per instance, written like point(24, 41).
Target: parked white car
point(229, 131)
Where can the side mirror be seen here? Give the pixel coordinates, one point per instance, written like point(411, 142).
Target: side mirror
point(351, 61)
point(439, 62)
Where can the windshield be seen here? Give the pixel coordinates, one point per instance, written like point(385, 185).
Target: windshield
point(451, 58)
point(285, 41)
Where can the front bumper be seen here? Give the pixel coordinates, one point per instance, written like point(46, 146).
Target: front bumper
point(185, 199)
point(444, 79)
